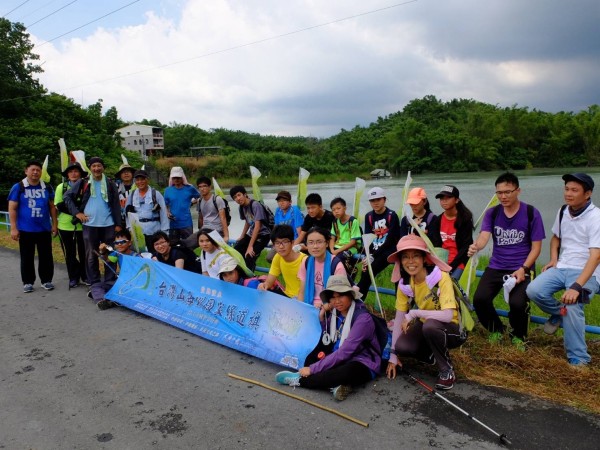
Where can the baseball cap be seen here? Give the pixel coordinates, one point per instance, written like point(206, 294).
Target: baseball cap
point(285, 195)
point(416, 195)
point(376, 193)
point(448, 191)
point(582, 178)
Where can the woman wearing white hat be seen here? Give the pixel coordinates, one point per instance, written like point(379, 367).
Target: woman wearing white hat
point(428, 332)
point(349, 352)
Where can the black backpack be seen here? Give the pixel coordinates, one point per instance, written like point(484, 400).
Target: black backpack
point(194, 262)
point(270, 216)
point(227, 209)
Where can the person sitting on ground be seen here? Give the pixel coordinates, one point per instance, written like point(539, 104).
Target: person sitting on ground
point(454, 230)
point(385, 225)
point(286, 262)
point(286, 214)
point(256, 233)
point(231, 272)
point(179, 257)
point(573, 266)
point(316, 216)
point(212, 255)
point(110, 256)
point(317, 268)
point(423, 216)
point(428, 332)
point(345, 233)
point(349, 353)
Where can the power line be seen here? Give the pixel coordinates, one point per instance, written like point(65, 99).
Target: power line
point(15, 8)
point(237, 47)
point(20, 19)
point(86, 24)
point(51, 14)
point(229, 49)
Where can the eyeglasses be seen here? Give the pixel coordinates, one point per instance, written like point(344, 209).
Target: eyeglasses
point(160, 243)
point(505, 193)
point(121, 242)
point(314, 243)
point(281, 243)
point(409, 256)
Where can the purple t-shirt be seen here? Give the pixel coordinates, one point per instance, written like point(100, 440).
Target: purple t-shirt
point(511, 239)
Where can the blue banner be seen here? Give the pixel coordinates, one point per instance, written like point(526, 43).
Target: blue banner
point(260, 323)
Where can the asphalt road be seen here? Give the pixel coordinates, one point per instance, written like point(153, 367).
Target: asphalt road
point(75, 377)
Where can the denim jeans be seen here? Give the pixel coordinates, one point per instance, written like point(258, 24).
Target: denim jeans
point(541, 291)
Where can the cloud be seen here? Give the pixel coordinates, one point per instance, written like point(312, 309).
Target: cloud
point(246, 64)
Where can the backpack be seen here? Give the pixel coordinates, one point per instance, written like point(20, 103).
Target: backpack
point(465, 319)
point(382, 333)
point(227, 209)
point(45, 186)
point(334, 262)
point(129, 208)
point(359, 242)
point(270, 222)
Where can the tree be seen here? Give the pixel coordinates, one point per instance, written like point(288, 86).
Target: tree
point(17, 69)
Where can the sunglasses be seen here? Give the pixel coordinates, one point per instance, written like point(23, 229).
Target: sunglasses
point(121, 242)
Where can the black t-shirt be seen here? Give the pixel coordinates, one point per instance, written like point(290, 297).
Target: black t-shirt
point(190, 262)
point(324, 222)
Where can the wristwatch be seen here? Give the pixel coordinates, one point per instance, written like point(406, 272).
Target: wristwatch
point(527, 269)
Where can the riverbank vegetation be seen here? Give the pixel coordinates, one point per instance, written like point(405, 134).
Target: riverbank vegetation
point(427, 135)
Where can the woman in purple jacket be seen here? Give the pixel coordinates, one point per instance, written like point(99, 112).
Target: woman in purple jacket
point(349, 352)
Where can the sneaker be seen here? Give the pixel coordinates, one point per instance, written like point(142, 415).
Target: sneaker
point(341, 392)
point(552, 324)
point(89, 294)
point(27, 288)
point(289, 378)
point(73, 284)
point(87, 283)
point(105, 304)
point(445, 380)
point(577, 363)
point(495, 337)
point(519, 344)
point(48, 286)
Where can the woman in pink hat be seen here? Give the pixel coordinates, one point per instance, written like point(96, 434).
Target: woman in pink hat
point(428, 332)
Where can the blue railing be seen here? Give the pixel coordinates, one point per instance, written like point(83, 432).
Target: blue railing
point(5, 224)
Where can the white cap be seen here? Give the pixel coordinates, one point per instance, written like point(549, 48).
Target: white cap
point(376, 193)
point(176, 172)
point(227, 264)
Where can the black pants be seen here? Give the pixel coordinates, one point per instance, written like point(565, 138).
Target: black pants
point(92, 237)
point(261, 242)
point(432, 337)
point(350, 373)
point(518, 316)
point(378, 265)
point(28, 242)
point(74, 249)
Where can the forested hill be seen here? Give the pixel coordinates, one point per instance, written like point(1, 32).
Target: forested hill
point(427, 135)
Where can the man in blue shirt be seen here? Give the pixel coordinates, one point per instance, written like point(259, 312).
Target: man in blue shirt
point(179, 196)
point(95, 203)
point(33, 220)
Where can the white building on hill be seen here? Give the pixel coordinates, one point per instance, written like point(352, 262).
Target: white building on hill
point(144, 139)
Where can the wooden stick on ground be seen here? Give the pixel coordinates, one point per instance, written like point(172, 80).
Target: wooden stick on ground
point(279, 391)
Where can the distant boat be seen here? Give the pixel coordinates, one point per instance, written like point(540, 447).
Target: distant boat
point(378, 174)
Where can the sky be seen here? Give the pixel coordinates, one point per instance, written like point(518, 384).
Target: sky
point(312, 67)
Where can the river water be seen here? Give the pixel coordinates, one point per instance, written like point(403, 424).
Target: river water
point(541, 187)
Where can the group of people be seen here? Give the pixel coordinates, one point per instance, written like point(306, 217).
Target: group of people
point(317, 258)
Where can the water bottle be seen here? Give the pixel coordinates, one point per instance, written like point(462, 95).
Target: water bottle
point(386, 351)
